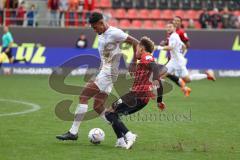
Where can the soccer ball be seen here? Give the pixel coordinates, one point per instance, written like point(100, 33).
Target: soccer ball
point(96, 135)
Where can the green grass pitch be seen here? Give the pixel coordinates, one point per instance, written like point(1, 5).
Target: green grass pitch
point(205, 125)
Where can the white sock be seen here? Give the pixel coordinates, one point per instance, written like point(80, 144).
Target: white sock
point(121, 140)
point(197, 76)
point(128, 134)
point(102, 115)
point(79, 115)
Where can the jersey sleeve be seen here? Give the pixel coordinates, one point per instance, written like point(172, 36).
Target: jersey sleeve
point(119, 35)
point(183, 36)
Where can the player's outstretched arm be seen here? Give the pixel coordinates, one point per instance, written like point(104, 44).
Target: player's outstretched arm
point(167, 48)
point(133, 41)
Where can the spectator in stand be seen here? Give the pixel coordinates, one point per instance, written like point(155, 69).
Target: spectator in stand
point(191, 24)
point(1, 11)
point(31, 14)
point(204, 19)
point(53, 6)
point(21, 11)
point(127, 4)
point(116, 4)
point(225, 18)
point(82, 41)
point(151, 4)
point(72, 10)
point(63, 6)
point(233, 21)
point(89, 5)
point(107, 16)
point(238, 22)
point(81, 13)
point(215, 18)
point(81, 6)
point(11, 7)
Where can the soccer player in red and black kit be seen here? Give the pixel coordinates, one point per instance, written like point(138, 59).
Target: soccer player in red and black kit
point(140, 93)
point(183, 36)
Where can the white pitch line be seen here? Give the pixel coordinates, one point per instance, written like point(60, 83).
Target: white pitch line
point(34, 107)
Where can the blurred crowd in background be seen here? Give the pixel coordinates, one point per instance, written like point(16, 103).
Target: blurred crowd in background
point(149, 14)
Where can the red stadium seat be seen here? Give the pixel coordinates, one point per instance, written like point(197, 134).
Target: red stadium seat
point(97, 3)
point(197, 25)
point(155, 14)
point(192, 14)
point(132, 13)
point(236, 13)
point(124, 23)
point(185, 24)
point(167, 14)
point(120, 13)
point(179, 13)
point(143, 14)
point(136, 24)
point(160, 24)
point(113, 22)
point(105, 4)
point(148, 24)
point(106, 11)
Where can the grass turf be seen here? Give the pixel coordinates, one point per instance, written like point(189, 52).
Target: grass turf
point(202, 126)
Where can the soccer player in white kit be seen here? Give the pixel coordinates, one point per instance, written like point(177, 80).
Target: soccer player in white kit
point(109, 40)
point(177, 63)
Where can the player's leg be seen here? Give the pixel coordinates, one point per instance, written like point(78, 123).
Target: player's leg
point(171, 67)
point(183, 73)
point(161, 104)
point(178, 81)
point(12, 59)
point(19, 60)
point(90, 90)
point(127, 104)
point(98, 105)
point(175, 74)
point(199, 76)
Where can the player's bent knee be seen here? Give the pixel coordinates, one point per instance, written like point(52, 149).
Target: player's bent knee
point(187, 79)
point(83, 99)
point(111, 117)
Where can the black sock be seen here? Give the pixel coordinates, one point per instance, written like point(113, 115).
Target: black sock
point(160, 92)
point(19, 60)
point(174, 78)
point(119, 128)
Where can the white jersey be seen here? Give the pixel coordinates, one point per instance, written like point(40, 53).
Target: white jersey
point(109, 48)
point(110, 53)
point(177, 45)
point(177, 63)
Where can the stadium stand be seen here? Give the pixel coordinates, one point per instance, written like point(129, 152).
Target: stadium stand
point(150, 13)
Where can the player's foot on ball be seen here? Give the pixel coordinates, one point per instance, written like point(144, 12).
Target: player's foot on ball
point(121, 143)
point(131, 138)
point(210, 75)
point(162, 106)
point(186, 90)
point(67, 136)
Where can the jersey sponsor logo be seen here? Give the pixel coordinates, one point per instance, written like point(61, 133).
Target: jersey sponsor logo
point(149, 58)
point(185, 35)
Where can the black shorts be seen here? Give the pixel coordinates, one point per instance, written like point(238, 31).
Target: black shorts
point(128, 104)
point(9, 53)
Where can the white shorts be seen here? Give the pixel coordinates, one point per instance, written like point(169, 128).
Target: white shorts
point(180, 70)
point(105, 81)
